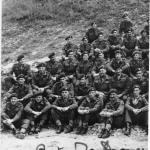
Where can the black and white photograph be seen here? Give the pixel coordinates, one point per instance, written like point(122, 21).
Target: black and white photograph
point(74, 75)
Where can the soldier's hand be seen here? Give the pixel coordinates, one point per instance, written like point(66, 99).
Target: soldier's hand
point(42, 89)
point(135, 111)
point(119, 95)
point(20, 99)
point(54, 78)
point(9, 121)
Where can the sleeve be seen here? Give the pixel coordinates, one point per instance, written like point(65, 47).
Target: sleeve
point(83, 104)
point(11, 90)
point(74, 104)
point(145, 107)
point(71, 91)
point(30, 93)
point(19, 113)
point(97, 107)
point(47, 106)
point(128, 106)
point(120, 109)
point(28, 107)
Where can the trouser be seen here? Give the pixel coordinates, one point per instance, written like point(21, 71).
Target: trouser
point(88, 119)
point(139, 119)
point(30, 119)
point(17, 123)
point(115, 121)
point(63, 117)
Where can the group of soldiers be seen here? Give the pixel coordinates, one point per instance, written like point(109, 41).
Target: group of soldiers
point(103, 80)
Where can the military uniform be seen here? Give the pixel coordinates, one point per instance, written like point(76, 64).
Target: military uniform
point(61, 117)
point(54, 68)
point(69, 47)
point(92, 34)
point(42, 106)
point(102, 84)
point(130, 43)
point(13, 111)
point(122, 83)
point(114, 44)
point(102, 45)
point(22, 91)
point(84, 68)
point(136, 103)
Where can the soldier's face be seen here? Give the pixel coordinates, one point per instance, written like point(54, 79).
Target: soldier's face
point(63, 80)
point(139, 74)
point(136, 56)
point(85, 57)
point(71, 55)
point(21, 61)
point(39, 98)
point(14, 100)
point(118, 71)
point(101, 55)
point(102, 71)
point(41, 69)
point(65, 94)
point(118, 55)
point(85, 40)
point(144, 34)
point(136, 91)
point(53, 58)
point(129, 33)
point(94, 25)
point(112, 96)
point(83, 80)
point(21, 80)
point(115, 33)
point(92, 93)
point(100, 37)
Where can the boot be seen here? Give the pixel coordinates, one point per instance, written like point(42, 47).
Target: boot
point(101, 133)
point(106, 134)
point(84, 130)
point(38, 129)
point(79, 129)
point(128, 129)
point(60, 129)
point(68, 129)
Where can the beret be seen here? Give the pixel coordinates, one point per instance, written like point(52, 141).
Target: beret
point(51, 55)
point(62, 75)
point(64, 89)
point(113, 31)
point(143, 31)
point(12, 95)
point(136, 52)
point(125, 14)
point(68, 37)
point(20, 57)
point(91, 89)
point(113, 91)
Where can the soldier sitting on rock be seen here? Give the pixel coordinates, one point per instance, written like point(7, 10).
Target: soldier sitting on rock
point(11, 114)
point(63, 111)
point(112, 114)
point(136, 110)
point(89, 110)
point(36, 114)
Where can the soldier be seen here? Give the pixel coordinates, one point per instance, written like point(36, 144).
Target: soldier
point(114, 43)
point(69, 66)
point(81, 88)
point(41, 80)
point(98, 62)
point(118, 62)
point(36, 114)
point(62, 81)
point(102, 44)
point(21, 89)
point(11, 115)
point(142, 81)
point(101, 82)
point(84, 67)
point(92, 33)
point(136, 110)
point(135, 63)
point(126, 23)
point(85, 47)
point(53, 67)
point(129, 43)
point(143, 43)
point(63, 110)
point(18, 68)
point(121, 82)
point(89, 110)
point(112, 114)
point(69, 46)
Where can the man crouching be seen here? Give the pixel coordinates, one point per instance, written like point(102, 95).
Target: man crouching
point(63, 111)
point(89, 110)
